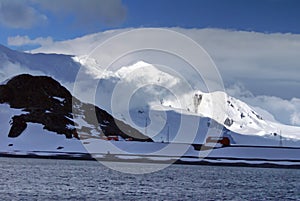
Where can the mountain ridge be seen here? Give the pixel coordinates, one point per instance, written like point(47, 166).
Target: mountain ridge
point(109, 80)
point(44, 101)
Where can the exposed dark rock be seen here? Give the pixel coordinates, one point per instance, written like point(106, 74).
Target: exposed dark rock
point(46, 102)
point(257, 116)
point(228, 121)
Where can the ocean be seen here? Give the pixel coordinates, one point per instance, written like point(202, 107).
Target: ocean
point(50, 179)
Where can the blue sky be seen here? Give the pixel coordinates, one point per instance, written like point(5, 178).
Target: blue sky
point(258, 61)
point(60, 20)
point(255, 15)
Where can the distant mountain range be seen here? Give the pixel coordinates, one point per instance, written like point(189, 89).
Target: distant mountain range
point(49, 103)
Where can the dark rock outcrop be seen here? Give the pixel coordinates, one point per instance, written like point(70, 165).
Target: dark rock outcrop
point(45, 101)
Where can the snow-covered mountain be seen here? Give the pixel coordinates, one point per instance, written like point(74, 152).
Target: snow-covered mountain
point(157, 102)
point(153, 105)
point(44, 101)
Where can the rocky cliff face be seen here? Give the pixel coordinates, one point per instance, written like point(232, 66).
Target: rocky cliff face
point(46, 102)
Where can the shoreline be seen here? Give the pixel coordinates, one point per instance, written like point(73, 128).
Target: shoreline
point(209, 161)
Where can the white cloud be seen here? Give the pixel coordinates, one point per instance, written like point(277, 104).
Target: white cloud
point(295, 118)
point(17, 14)
point(87, 12)
point(25, 40)
point(238, 90)
point(285, 111)
point(265, 66)
point(10, 70)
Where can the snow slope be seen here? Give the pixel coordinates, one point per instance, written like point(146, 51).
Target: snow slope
point(166, 95)
point(34, 138)
point(155, 96)
point(163, 120)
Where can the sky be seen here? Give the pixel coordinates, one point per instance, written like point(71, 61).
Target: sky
point(255, 43)
point(67, 19)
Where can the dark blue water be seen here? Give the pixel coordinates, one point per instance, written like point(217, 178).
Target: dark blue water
point(40, 179)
